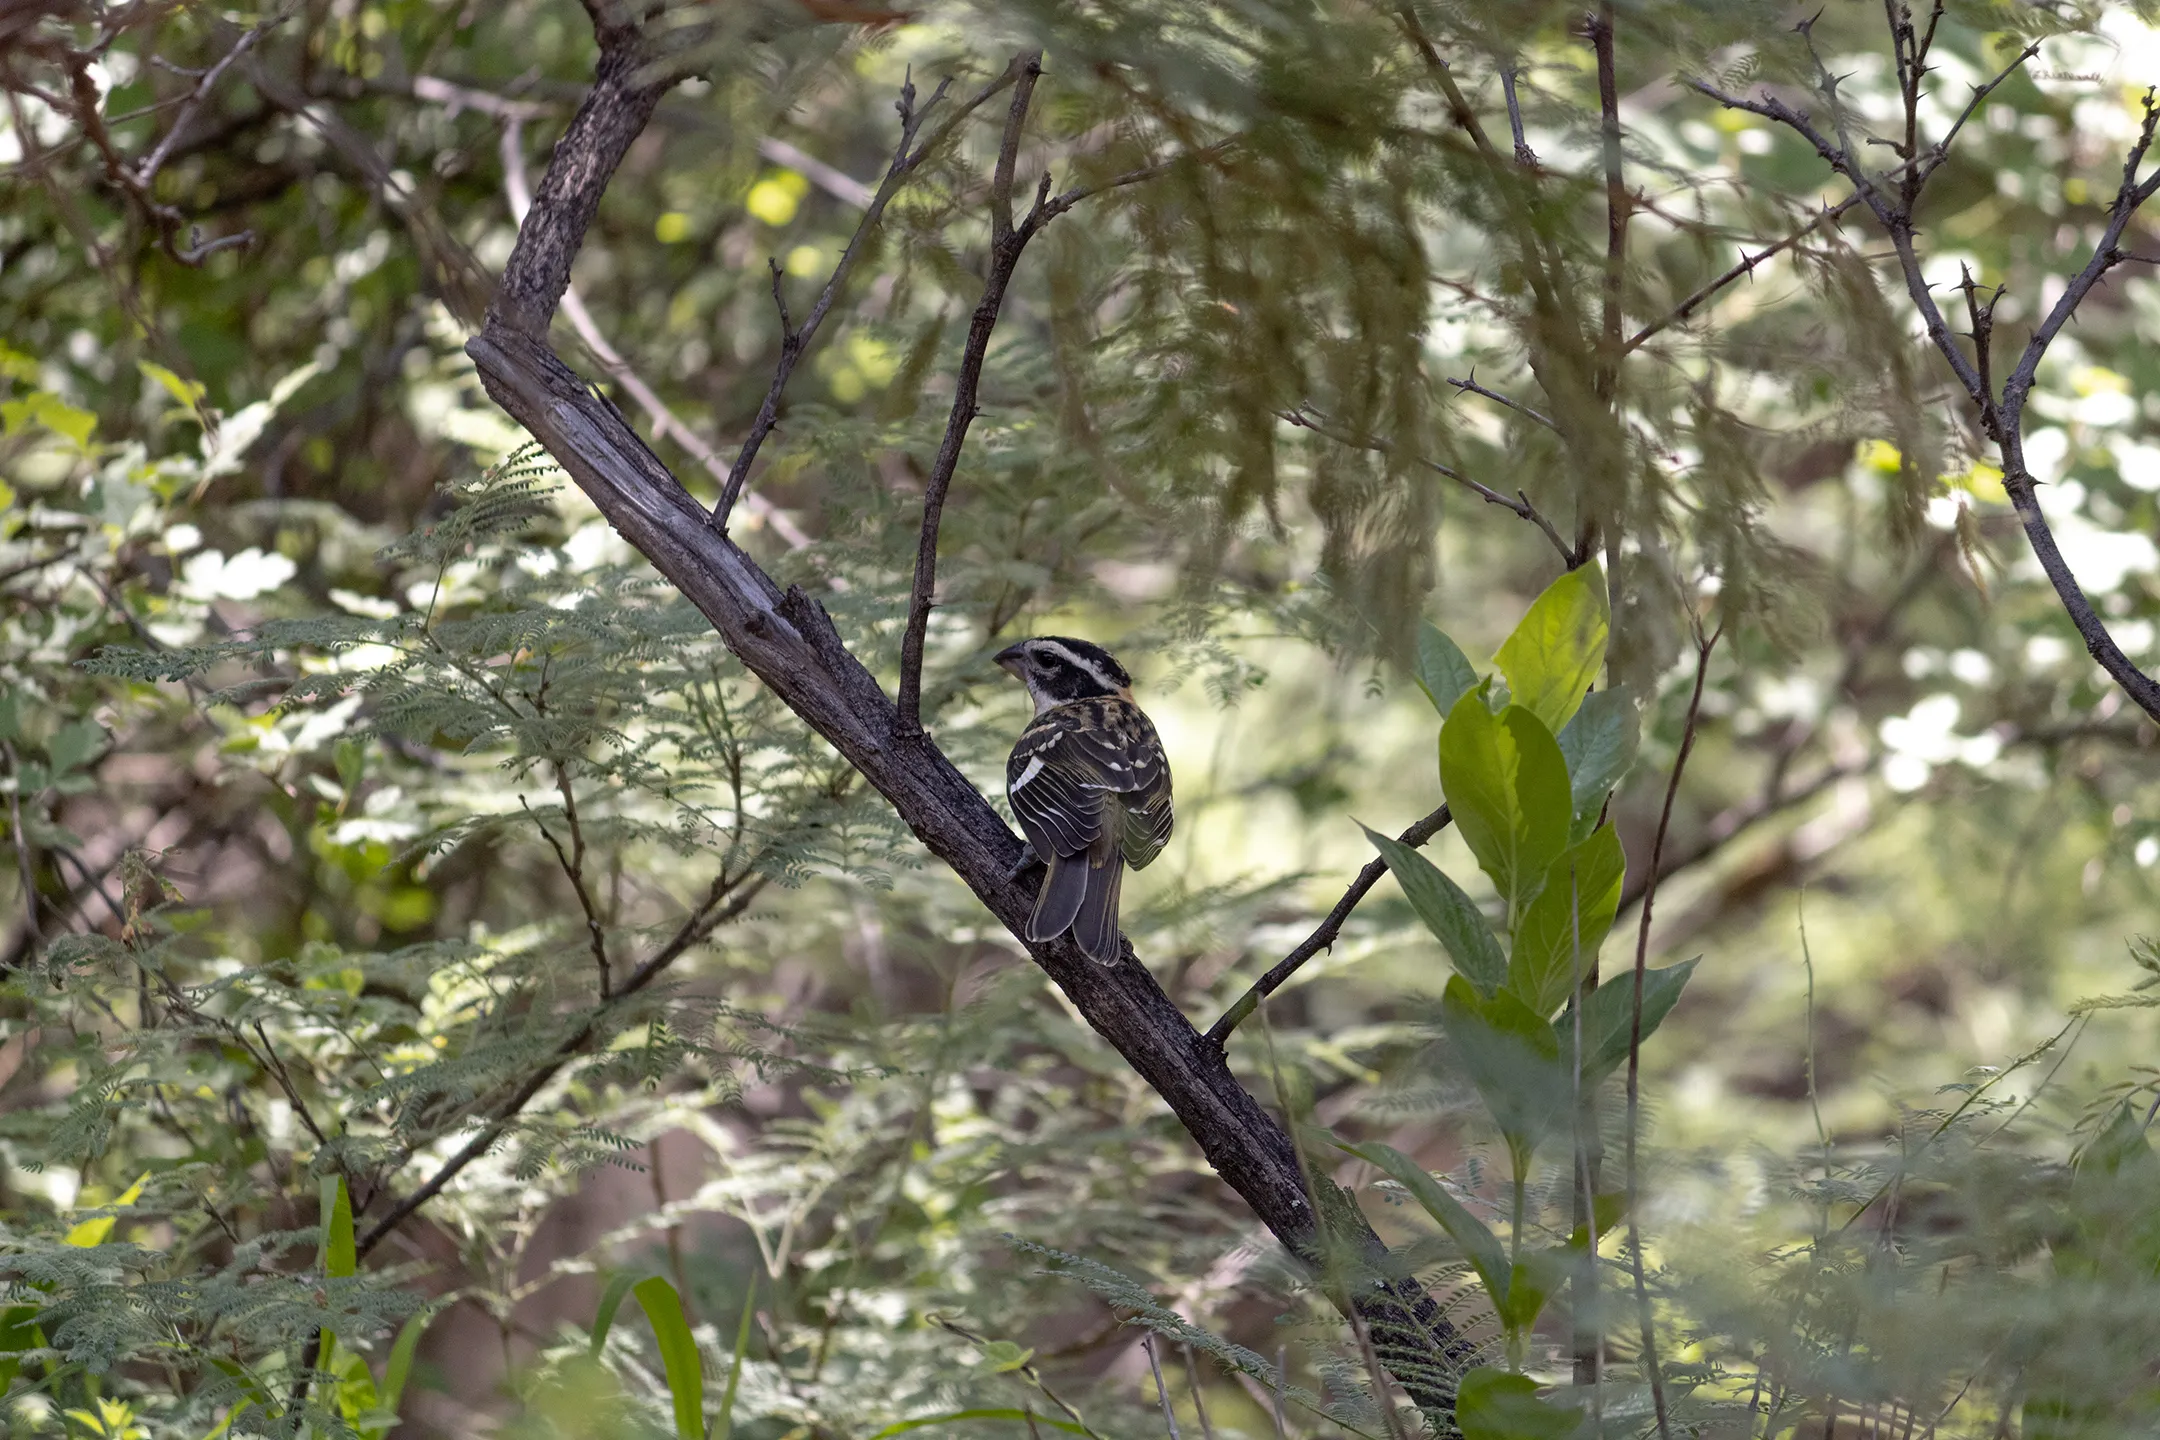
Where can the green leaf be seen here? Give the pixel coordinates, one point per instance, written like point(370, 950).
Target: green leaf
point(1003, 1356)
point(1513, 1057)
point(1554, 656)
point(1476, 1239)
point(73, 744)
point(1560, 931)
point(338, 1257)
point(1533, 1281)
point(1494, 1405)
point(610, 1301)
point(95, 1232)
point(1444, 673)
point(951, 1416)
point(1599, 746)
point(1508, 788)
point(726, 1421)
point(1451, 915)
point(1607, 1209)
point(1609, 1013)
point(187, 392)
point(398, 1368)
point(678, 1355)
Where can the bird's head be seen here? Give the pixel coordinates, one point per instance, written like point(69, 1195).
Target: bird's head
point(1057, 669)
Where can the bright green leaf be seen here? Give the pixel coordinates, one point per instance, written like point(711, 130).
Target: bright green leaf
point(1451, 915)
point(1554, 656)
point(1513, 1057)
point(610, 1301)
point(1003, 1356)
point(96, 1232)
point(1609, 1015)
point(1508, 788)
point(726, 1421)
point(1443, 671)
point(338, 1258)
point(398, 1368)
point(188, 392)
point(1599, 746)
point(678, 1355)
point(1476, 1239)
point(1560, 931)
point(1494, 1405)
point(1608, 1209)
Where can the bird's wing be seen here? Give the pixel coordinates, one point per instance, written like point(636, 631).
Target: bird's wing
point(1057, 794)
point(1116, 746)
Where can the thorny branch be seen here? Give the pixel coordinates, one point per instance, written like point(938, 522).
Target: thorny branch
point(1324, 935)
point(908, 157)
point(1471, 387)
point(1307, 418)
point(1007, 241)
point(2000, 415)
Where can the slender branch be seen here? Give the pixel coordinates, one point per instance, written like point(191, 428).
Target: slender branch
point(573, 868)
point(25, 858)
point(1162, 1391)
point(1616, 197)
point(1471, 387)
point(1306, 418)
point(702, 924)
point(1324, 935)
point(1746, 267)
point(907, 159)
point(146, 173)
point(1524, 155)
point(1006, 244)
point(1703, 647)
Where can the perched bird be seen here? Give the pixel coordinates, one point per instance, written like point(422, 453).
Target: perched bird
point(1090, 784)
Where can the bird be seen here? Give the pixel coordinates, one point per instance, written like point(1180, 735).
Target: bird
point(1090, 785)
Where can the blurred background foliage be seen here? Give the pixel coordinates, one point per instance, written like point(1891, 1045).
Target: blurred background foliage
point(342, 756)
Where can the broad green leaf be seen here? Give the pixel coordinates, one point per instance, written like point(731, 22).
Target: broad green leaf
point(73, 744)
point(1599, 746)
point(726, 1421)
point(610, 1301)
point(1609, 1013)
point(50, 411)
point(1533, 1281)
point(1003, 1356)
point(1451, 915)
point(1494, 1405)
point(1608, 1209)
point(678, 1355)
point(95, 1232)
point(188, 392)
point(1443, 671)
point(1465, 1229)
point(1554, 656)
point(1560, 931)
point(1508, 788)
point(338, 1257)
point(1026, 1417)
point(1514, 1060)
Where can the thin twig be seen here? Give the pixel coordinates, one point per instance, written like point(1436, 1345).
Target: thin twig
point(1524, 155)
point(700, 924)
point(1471, 386)
point(1324, 935)
point(1199, 1401)
point(1745, 267)
point(25, 859)
point(1007, 241)
point(907, 159)
point(1616, 198)
point(1162, 1391)
point(1306, 418)
point(1703, 647)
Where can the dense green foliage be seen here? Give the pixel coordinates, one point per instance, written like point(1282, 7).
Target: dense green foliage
point(422, 939)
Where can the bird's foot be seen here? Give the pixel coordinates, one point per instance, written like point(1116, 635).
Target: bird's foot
point(1028, 860)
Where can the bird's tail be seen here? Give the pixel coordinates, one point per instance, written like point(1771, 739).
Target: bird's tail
point(1080, 894)
point(1096, 926)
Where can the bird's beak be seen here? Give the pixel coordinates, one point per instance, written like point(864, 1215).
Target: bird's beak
point(1008, 660)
